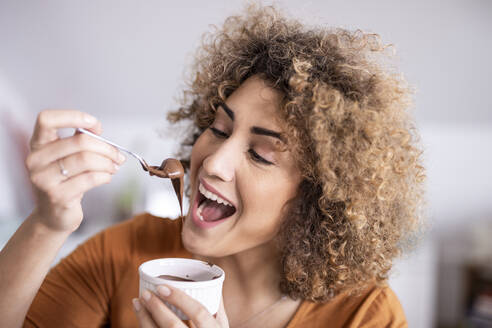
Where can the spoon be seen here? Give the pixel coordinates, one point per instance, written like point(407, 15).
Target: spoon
point(170, 168)
point(144, 164)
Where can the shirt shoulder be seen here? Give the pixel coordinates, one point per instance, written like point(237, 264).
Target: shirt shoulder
point(144, 236)
point(81, 288)
point(382, 309)
point(376, 306)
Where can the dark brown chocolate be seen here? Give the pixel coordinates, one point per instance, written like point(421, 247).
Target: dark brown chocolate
point(174, 278)
point(170, 168)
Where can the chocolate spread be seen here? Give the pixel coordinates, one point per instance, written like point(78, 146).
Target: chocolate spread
point(174, 278)
point(170, 168)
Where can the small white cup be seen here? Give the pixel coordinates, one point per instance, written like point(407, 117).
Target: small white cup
point(206, 287)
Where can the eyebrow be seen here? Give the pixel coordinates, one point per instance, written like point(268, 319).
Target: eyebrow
point(266, 132)
point(228, 111)
point(255, 129)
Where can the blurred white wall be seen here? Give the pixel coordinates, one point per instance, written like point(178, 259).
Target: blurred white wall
point(9, 99)
point(125, 57)
point(123, 61)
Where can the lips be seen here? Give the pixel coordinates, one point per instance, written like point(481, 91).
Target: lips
point(211, 206)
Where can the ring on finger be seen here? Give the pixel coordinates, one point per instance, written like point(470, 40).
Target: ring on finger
point(63, 171)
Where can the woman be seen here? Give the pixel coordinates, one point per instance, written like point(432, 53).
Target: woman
point(302, 132)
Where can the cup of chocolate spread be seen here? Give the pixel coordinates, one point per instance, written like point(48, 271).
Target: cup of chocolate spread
point(201, 280)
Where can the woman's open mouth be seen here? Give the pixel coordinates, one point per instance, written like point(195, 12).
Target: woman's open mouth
point(209, 209)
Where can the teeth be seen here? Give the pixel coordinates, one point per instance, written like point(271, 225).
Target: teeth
point(212, 196)
point(199, 212)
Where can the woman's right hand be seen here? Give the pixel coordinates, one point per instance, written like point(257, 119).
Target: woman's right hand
point(87, 162)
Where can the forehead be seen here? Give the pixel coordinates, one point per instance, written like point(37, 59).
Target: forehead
point(255, 100)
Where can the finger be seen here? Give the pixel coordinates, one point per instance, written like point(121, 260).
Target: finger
point(143, 316)
point(222, 315)
point(71, 145)
point(97, 129)
point(162, 315)
point(49, 121)
point(188, 305)
point(76, 186)
point(74, 165)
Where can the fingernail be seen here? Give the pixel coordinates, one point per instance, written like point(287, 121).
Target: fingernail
point(146, 295)
point(136, 304)
point(163, 291)
point(90, 119)
point(121, 157)
point(116, 167)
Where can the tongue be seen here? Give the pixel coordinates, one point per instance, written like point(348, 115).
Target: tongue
point(213, 211)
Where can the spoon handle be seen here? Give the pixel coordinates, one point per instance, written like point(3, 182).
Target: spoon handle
point(140, 159)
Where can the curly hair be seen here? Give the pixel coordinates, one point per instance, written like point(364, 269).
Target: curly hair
point(347, 127)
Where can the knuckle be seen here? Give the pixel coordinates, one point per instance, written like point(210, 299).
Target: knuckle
point(32, 143)
point(42, 118)
point(115, 152)
point(91, 178)
point(84, 158)
point(82, 141)
point(53, 196)
point(153, 303)
point(64, 204)
point(142, 317)
point(35, 179)
point(110, 151)
point(29, 161)
point(79, 115)
point(110, 166)
point(201, 314)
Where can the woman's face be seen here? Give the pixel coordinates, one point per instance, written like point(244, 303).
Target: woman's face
point(240, 159)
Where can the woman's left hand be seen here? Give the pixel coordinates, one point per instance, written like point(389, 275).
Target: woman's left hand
point(152, 312)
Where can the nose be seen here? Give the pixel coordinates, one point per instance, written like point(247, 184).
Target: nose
point(222, 162)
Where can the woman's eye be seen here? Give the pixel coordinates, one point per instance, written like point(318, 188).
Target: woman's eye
point(254, 155)
point(257, 158)
point(218, 133)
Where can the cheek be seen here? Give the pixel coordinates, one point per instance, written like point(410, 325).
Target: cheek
point(264, 212)
point(269, 196)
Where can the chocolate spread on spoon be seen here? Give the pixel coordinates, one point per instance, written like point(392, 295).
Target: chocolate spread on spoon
point(170, 168)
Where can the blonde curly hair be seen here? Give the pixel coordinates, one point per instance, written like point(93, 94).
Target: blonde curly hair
point(349, 131)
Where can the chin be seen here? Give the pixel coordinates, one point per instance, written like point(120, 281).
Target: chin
point(196, 248)
point(200, 245)
point(193, 242)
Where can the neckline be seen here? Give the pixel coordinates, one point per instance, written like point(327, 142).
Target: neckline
point(296, 318)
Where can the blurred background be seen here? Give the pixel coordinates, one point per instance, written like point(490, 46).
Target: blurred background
point(124, 62)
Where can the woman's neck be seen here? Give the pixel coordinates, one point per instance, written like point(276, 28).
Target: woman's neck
point(252, 281)
point(250, 272)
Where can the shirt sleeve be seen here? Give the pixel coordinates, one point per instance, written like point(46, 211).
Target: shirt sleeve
point(77, 291)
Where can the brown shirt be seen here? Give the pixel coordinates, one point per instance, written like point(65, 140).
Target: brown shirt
point(94, 286)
